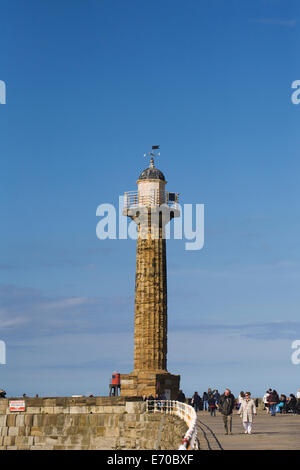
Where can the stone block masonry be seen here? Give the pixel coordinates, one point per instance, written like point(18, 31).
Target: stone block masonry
point(150, 306)
point(150, 374)
point(98, 423)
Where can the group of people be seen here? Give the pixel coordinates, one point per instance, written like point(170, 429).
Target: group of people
point(155, 402)
point(208, 402)
point(225, 404)
point(275, 403)
point(246, 407)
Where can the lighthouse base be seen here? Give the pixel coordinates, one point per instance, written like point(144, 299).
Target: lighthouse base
point(146, 383)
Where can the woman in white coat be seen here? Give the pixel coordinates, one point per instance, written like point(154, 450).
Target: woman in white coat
point(247, 410)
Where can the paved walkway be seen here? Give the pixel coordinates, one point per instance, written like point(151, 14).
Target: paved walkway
point(268, 433)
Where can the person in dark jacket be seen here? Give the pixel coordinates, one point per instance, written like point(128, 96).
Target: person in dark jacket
point(291, 403)
point(181, 396)
point(273, 399)
point(282, 403)
point(150, 399)
point(205, 401)
point(212, 405)
point(226, 405)
point(196, 401)
point(216, 396)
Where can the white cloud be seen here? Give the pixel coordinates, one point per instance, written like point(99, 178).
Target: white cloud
point(66, 303)
point(42, 314)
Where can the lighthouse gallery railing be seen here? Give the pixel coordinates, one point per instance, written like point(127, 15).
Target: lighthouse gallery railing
point(133, 199)
point(183, 411)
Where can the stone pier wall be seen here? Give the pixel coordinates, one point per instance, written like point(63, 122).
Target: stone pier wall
point(113, 423)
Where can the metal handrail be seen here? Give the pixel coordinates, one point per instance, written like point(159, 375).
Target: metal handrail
point(183, 411)
point(133, 199)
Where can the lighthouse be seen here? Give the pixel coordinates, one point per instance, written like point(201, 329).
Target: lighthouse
point(151, 208)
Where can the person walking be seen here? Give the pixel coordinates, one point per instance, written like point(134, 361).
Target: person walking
point(226, 405)
point(196, 401)
point(205, 401)
point(265, 400)
point(247, 410)
point(212, 405)
point(240, 399)
point(216, 396)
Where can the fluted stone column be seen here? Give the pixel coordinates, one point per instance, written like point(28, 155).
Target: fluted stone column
point(150, 334)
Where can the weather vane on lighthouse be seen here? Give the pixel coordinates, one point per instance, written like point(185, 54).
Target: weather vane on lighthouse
point(154, 153)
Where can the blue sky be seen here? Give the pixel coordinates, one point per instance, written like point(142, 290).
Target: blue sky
point(91, 85)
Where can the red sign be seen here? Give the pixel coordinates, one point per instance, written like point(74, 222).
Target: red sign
point(17, 405)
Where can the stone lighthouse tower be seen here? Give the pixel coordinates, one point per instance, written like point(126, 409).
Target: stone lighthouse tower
point(152, 208)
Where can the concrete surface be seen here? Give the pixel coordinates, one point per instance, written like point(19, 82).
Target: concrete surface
point(268, 433)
